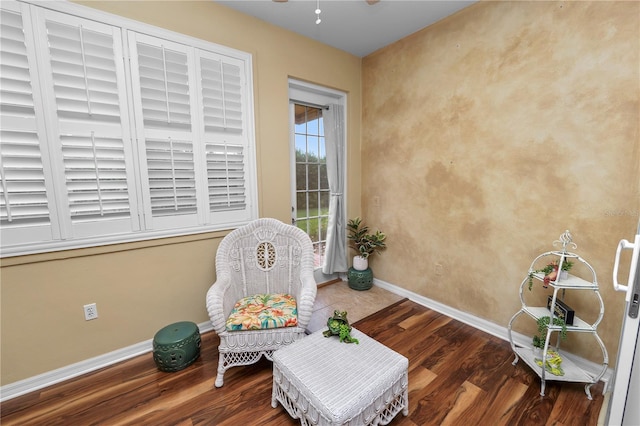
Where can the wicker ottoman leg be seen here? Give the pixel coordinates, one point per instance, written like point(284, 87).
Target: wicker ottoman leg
point(405, 410)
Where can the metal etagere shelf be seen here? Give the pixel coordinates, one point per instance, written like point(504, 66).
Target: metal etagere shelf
point(559, 286)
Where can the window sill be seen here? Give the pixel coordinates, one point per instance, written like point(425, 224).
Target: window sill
point(93, 249)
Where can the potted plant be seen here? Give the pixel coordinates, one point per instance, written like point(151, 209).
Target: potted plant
point(543, 326)
point(553, 359)
point(364, 243)
point(551, 272)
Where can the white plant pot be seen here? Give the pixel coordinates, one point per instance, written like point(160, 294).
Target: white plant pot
point(537, 352)
point(360, 263)
point(564, 275)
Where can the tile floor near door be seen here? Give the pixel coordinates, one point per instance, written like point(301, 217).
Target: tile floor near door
point(358, 304)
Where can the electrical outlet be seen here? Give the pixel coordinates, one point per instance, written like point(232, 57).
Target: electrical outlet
point(90, 311)
point(437, 269)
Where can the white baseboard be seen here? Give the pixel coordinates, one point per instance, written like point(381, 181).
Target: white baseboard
point(489, 327)
point(49, 378)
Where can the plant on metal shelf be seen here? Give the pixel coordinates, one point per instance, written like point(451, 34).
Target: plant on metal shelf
point(550, 272)
point(543, 326)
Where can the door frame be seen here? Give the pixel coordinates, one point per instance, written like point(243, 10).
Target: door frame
point(623, 409)
point(305, 93)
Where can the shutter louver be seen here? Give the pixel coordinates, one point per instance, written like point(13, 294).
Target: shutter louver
point(171, 177)
point(23, 193)
point(96, 176)
point(164, 83)
point(84, 73)
point(226, 177)
point(90, 121)
point(221, 95)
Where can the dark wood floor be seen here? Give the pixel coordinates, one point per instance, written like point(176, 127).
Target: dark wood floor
point(457, 375)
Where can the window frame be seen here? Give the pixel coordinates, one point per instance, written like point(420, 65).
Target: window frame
point(42, 231)
point(208, 221)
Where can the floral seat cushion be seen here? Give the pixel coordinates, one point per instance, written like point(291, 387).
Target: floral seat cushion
point(262, 311)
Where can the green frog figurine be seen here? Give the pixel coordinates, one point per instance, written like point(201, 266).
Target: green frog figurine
point(339, 326)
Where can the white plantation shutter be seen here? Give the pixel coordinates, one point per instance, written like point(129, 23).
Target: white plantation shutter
point(24, 203)
point(111, 133)
point(163, 85)
point(84, 70)
point(24, 194)
point(226, 177)
point(171, 177)
point(222, 99)
point(90, 128)
point(221, 94)
point(96, 176)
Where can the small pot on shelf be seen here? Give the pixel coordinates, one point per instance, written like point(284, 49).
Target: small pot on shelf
point(537, 352)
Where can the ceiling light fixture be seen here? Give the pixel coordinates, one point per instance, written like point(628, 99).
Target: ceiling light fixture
point(318, 11)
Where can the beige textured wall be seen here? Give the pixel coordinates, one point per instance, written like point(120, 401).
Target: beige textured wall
point(486, 135)
point(141, 287)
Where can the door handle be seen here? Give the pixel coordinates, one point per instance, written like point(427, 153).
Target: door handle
point(623, 244)
point(632, 288)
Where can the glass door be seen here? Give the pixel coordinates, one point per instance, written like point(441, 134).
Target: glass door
point(310, 210)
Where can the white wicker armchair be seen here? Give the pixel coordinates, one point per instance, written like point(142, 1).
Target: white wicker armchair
point(265, 256)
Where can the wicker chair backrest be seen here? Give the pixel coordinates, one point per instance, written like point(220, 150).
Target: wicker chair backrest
point(263, 257)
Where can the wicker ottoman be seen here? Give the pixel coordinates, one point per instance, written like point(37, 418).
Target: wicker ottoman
point(324, 382)
point(176, 346)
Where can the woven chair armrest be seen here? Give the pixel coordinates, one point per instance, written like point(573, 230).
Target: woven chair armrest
point(220, 300)
point(305, 298)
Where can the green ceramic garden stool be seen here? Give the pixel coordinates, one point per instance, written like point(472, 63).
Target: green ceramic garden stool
point(360, 280)
point(176, 346)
